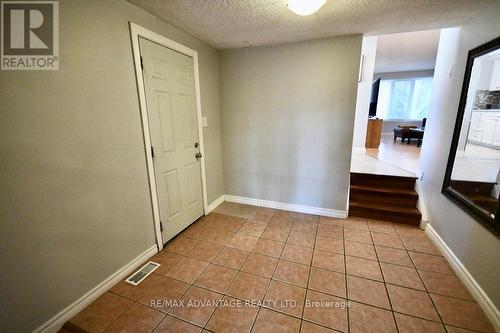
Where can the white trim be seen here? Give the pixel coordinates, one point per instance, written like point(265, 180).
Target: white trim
point(342, 214)
point(214, 204)
point(56, 322)
point(467, 279)
point(361, 67)
point(421, 202)
point(137, 31)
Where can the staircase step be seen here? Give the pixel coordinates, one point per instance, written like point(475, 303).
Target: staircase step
point(384, 190)
point(473, 188)
point(383, 181)
point(387, 207)
point(383, 199)
point(403, 197)
point(485, 201)
point(385, 212)
point(69, 327)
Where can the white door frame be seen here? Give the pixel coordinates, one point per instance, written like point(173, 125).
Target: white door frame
point(137, 31)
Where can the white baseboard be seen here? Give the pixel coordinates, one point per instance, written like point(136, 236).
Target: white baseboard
point(287, 206)
point(56, 322)
point(467, 279)
point(214, 204)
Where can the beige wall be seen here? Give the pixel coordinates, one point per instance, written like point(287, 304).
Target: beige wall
point(477, 248)
point(75, 204)
point(287, 120)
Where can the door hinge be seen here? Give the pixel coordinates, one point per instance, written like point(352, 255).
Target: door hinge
point(161, 226)
point(152, 152)
point(142, 64)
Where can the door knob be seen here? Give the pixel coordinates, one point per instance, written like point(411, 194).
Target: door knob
point(198, 156)
point(196, 144)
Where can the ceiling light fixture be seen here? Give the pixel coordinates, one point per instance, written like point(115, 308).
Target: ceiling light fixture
point(305, 7)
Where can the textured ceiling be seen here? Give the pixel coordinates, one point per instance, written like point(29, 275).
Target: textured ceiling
point(410, 51)
point(240, 23)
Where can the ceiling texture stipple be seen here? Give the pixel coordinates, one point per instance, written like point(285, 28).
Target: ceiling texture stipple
point(226, 24)
point(408, 51)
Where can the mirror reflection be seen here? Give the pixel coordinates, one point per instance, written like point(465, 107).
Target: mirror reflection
point(477, 162)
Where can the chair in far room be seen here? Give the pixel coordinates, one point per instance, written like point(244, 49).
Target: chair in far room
point(408, 132)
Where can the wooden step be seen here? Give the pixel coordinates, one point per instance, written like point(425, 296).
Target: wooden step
point(398, 196)
point(383, 181)
point(69, 327)
point(385, 212)
point(484, 201)
point(473, 188)
point(385, 190)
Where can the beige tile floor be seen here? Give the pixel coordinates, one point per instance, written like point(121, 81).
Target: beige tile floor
point(238, 210)
point(291, 272)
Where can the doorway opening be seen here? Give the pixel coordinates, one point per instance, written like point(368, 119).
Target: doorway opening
point(393, 100)
point(394, 95)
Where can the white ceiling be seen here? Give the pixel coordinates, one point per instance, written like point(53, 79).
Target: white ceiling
point(411, 51)
point(240, 23)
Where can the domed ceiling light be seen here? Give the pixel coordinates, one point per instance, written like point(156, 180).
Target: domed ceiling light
point(305, 7)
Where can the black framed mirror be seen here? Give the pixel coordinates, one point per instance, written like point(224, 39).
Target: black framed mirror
point(472, 178)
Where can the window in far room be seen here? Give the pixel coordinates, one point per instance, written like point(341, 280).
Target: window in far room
point(404, 99)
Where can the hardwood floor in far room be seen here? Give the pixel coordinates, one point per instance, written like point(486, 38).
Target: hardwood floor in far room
point(402, 155)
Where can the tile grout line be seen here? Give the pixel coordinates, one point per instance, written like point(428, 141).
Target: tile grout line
point(271, 279)
point(201, 273)
point(239, 270)
point(428, 294)
point(425, 286)
point(345, 278)
point(162, 319)
point(269, 282)
point(308, 277)
point(191, 284)
point(385, 285)
point(120, 316)
point(420, 276)
point(224, 294)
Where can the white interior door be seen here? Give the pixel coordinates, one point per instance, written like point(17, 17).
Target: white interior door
point(171, 104)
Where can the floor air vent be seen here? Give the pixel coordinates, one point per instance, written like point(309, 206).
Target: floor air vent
point(142, 273)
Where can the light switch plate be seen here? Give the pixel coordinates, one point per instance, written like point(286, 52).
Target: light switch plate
point(204, 122)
